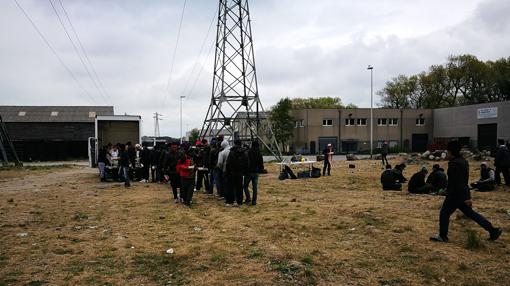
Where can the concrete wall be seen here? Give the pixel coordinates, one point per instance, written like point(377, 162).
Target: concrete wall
point(313, 128)
point(463, 121)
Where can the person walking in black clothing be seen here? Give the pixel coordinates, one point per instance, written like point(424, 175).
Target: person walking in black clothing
point(124, 164)
point(502, 163)
point(328, 158)
point(170, 167)
point(255, 168)
point(236, 167)
point(417, 183)
point(459, 197)
point(384, 153)
point(438, 179)
point(389, 180)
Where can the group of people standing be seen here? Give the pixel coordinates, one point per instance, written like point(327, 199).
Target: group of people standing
point(189, 168)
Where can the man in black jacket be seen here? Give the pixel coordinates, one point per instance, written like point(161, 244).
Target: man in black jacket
point(124, 164)
point(502, 163)
point(487, 179)
point(145, 160)
point(170, 169)
point(438, 179)
point(399, 173)
point(255, 168)
point(328, 158)
point(236, 167)
point(202, 161)
point(389, 181)
point(212, 161)
point(102, 161)
point(417, 183)
point(155, 154)
point(459, 197)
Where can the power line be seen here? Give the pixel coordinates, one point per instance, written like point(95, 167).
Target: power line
point(85, 52)
point(173, 56)
point(54, 51)
point(77, 52)
point(200, 72)
point(200, 53)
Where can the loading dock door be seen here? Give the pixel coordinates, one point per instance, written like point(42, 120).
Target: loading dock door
point(420, 142)
point(487, 136)
point(324, 141)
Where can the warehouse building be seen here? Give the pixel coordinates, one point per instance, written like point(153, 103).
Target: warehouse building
point(51, 133)
point(410, 130)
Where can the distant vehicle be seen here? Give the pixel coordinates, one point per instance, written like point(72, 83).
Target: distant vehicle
point(114, 129)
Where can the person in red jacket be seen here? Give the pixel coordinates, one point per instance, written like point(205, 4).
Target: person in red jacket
point(186, 169)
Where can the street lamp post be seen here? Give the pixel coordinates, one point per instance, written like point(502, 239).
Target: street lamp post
point(182, 97)
point(371, 68)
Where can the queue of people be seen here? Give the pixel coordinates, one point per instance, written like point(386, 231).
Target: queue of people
point(232, 171)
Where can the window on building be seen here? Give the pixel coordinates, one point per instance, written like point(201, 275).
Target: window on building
point(362, 121)
point(22, 113)
point(382, 121)
point(327, 122)
point(92, 114)
point(420, 121)
point(54, 113)
point(349, 122)
point(299, 123)
point(393, 121)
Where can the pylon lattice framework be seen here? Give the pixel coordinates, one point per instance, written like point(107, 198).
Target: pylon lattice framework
point(235, 109)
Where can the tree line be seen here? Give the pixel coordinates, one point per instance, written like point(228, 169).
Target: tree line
point(463, 80)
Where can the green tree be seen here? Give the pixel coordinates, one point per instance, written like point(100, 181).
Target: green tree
point(317, 103)
point(194, 135)
point(396, 93)
point(282, 122)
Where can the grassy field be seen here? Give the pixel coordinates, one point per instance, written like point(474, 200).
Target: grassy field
point(60, 226)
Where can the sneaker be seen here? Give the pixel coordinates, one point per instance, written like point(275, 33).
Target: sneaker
point(495, 234)
point(221, 198)
point(228, 205)
point(438, 238)
point(176, 201)
point(247, 202)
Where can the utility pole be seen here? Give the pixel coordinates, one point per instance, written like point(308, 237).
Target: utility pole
point(371, 68)
point(156, 124)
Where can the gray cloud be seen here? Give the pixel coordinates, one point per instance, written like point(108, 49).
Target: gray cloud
point(302, 49)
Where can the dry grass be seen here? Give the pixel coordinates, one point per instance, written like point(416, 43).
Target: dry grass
point(338, 230)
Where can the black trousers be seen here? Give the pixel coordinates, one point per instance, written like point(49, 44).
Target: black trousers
point(203, 179)
point(235, 189)
point(384, 159)
point(327, 165)
point(425, 189)
point(506, 175)
point(449, 207)
point(175, 183)
point(187, 186)
point(145, 172)
point(154, 173)
point(483, 187)
point(394, 187)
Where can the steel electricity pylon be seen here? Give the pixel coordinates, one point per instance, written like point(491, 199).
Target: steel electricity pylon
point(235, 110)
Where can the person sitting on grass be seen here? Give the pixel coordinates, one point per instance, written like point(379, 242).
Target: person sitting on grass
point(487, 180)
point(389, 181)
point(438, 180)
point(417, 183)
point(399, 173)
point(459, 197)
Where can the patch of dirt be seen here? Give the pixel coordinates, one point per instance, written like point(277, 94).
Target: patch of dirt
point(62, 226)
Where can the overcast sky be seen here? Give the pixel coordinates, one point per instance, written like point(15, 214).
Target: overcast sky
point(303, 49)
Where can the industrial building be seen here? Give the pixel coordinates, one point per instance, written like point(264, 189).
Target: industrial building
point(411, 130)
point(48, 133)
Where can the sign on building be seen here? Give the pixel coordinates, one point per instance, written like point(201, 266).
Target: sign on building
point(484, 113)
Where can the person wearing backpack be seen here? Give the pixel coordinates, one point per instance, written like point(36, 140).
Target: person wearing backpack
point(236, 167)
point(502, 163)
